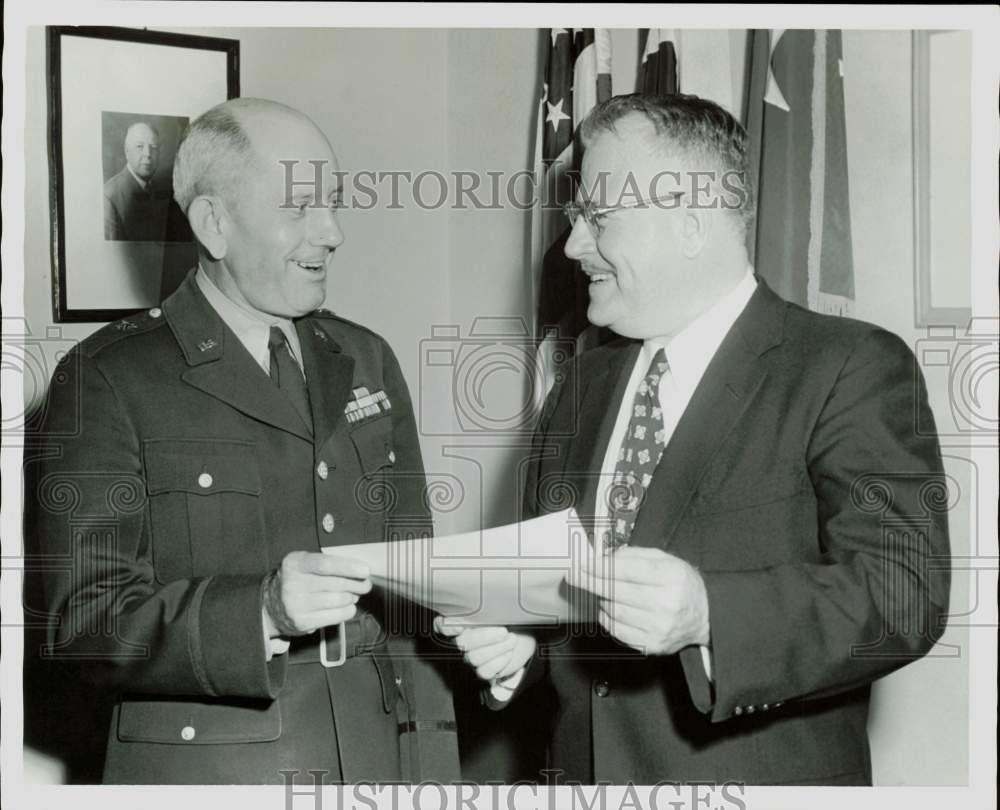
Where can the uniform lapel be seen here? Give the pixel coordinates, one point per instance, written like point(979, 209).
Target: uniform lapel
point(220, 366)
point(330, 373)
point(726, 390)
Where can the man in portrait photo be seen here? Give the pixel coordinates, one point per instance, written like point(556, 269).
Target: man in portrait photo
point(138, 203)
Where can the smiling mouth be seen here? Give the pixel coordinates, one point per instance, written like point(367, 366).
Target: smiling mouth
point(312, 266)
point(600, 278)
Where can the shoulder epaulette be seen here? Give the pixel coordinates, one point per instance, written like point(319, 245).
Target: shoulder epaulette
point(118, 330)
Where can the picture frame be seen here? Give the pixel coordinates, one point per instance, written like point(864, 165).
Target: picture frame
point(942, 212)
point(118, 102)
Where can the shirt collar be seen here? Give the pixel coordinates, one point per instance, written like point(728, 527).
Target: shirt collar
point(251, 326)
point(691, 350)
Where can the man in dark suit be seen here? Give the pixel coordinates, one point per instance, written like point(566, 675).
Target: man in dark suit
point(202, 453)
point(137, 208)
point(774, 524)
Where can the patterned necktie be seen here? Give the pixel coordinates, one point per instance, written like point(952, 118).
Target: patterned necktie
point(287, 375)
point(638, 456)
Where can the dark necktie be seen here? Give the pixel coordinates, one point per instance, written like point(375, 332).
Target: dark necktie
point(638, 455)
point(287, 375)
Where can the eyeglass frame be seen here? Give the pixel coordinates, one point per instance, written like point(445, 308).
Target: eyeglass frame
point(591, 212)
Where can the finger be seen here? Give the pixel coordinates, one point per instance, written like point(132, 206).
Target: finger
point(625, 634)
point(448, 627)
point(312, 583)
point(633, 564)
point(500, 650)
point(491, 669)
point(627, 616)
point(326, 618)
point(333, 565)
point(315, 602)
point(477, 637)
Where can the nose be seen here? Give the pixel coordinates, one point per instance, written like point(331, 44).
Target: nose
point(326, 229)
point(580, 242)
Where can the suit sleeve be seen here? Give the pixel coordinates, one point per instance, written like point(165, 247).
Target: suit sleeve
point(878, 594)
point(197, 636)
point(114, 227)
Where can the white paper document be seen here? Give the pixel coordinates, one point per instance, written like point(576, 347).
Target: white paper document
point(510, 575)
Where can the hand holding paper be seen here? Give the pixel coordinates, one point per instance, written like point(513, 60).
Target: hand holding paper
point(651, 601)
point(310, 590)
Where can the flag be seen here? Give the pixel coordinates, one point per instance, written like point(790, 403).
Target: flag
point(795, 121)
point(686, 61)
point(577, 77)
point(658, 70)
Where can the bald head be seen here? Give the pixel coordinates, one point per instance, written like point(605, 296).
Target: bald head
point(219, 150)
point(142, 149)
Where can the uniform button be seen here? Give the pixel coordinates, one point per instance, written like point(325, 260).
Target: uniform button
point(601, 689)
point(156, 312)
point(751, 709)
point(765, 707)
point(204, 480)
point(322, 470)
point(392, 457)
point(738, 711)
point(328, 523)
point(187, 733)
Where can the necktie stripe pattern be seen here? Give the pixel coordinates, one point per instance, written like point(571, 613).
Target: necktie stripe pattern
point(640, 452)
point(286, 374)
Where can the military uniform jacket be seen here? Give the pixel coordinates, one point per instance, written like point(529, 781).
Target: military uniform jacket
point(178, 476)
point(797, 483)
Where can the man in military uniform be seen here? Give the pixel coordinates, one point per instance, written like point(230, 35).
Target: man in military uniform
point(202, 455)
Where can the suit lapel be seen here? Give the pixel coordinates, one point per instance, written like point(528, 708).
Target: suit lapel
point(330, 373)
point(220, 366)
point(726, 390)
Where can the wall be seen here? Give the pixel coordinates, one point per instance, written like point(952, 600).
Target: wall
point(465, 100)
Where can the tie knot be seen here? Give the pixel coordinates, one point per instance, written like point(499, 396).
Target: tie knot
point(276, 339)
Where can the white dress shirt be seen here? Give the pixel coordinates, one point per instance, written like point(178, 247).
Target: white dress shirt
point(688, 354)
point(253, 329)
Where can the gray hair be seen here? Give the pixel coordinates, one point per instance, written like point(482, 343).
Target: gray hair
point(213, 155)
point(688, 124)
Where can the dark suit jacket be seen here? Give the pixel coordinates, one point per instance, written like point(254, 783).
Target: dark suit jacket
point(796, 484)
point(135, 214)
point(177, 476)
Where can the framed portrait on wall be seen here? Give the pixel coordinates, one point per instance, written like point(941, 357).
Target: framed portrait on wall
point(118, 102)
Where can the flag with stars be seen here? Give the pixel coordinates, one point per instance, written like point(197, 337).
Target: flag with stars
point(794, 116)
point(577, 77)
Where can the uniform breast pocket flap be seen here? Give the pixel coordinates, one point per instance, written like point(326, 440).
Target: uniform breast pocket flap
point(373, 443)
point(205, 515)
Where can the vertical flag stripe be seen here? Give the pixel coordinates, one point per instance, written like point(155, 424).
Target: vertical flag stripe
point(795, 122)
point(658, 71)
point(577, 77)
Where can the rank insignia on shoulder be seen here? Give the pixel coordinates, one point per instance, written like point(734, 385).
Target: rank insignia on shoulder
point(124, 326)
point(205, 345)
point(364, 405)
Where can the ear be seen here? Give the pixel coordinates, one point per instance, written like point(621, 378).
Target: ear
point(206, 215)
point(695, 228)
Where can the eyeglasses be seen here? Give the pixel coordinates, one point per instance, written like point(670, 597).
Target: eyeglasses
point(593, 214)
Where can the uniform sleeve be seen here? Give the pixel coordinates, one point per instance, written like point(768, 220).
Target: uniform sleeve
point(877, 597)
point(198, 636)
